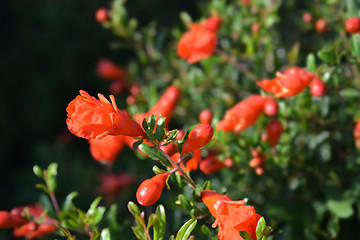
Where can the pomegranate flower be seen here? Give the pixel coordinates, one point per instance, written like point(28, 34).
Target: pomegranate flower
point(243, 114)
point(231, 216)
point(200, 42)
point(150, 190)
point(287, 84)
point(90, 118)
point(106, 150)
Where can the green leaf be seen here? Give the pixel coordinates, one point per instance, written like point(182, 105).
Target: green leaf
point(139, 232)
point(328, 55)
point(133, 208)
point(184, 202)
point(186, 229)
point(207, 185)
point(136, 144)
point(245, 235)
point(98, 215)
point(52, 184)
point(153, 218)
point(111, 217)
point(94, 205)
point(341, 208)
point(38, 171)
point(355, 45)
point(42, 186)
point(68, 202)
point(311, 62)
point(185, 18)
point(145, 124)
point(261, 225)
point(349, 93)
point(105, 234)
point(158, 170)
point(155, 154)
point(52, 170)
point(160, 226)
point(160, 126)
point(152, 122)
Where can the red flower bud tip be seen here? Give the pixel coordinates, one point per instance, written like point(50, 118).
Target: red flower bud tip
point(197, 44)
point(112, 184)
point(205, 116)
point(274, 130)
point(317, 87)
point(255, 153)
point(287, 84)
point(102, 15)
point(352, 25)
point(321, 26)
point(130, 100)
point(255, 27)
point(211, 164)
point(271, 107)
point(230, 216)
point(260, 170)
point(135, 89)
point(357, 130)
point(242, 115)
point(307, 17)
point(107, 69)
point(198, 137)
point(257, 162)
point(117, 86)
point(90, 118)
point(180, 134)
point(212, 24)
point(150, 190)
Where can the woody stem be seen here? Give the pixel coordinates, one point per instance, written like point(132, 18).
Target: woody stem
point(188, 179)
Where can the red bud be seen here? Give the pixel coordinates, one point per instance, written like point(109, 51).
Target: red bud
point(271, 107)
point(150, 190)
point(205, 116)
point(102, 15)
point(274, 130)
point(198, 137)
point(352, 25)
point(317, 87)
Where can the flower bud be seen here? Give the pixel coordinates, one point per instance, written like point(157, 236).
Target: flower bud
point(212, 24)
point(321, 26)
point(357, 130)
point(102, 15)
point(205, 116)
point(198, 137)
point(307, 17)
point(118, 86)
point(255, 153)
point(107, 69)
point(257, 162)
point(317, 87)
point(255, 27)
point(274, 130)
point(260, 170)
point(150, 190)
point(271, 107)
point(352, 25)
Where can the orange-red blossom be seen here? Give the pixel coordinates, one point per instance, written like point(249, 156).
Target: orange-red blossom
point(287, 84)
point(90, 118)
point(198, 137)
point(230, 216)
point(243, 114)
point(200, 41)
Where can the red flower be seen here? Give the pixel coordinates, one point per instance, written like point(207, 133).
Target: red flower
point(243, 114)
point(274, 130)
point(231, 216)
point(212, 164)
point(165, 106)
point(11, 219)
point(357, 130)
point(287, 84)
point(198, 137)
point(112, 184)
point(271, 107)
point(102, 15)
point(200, 42)
point(191, 164)
point(205, 116)
point(150, 190)
point(321, 26)
point(91, 118)
point(107, 69)
point(106, 150)
point(352, 25)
